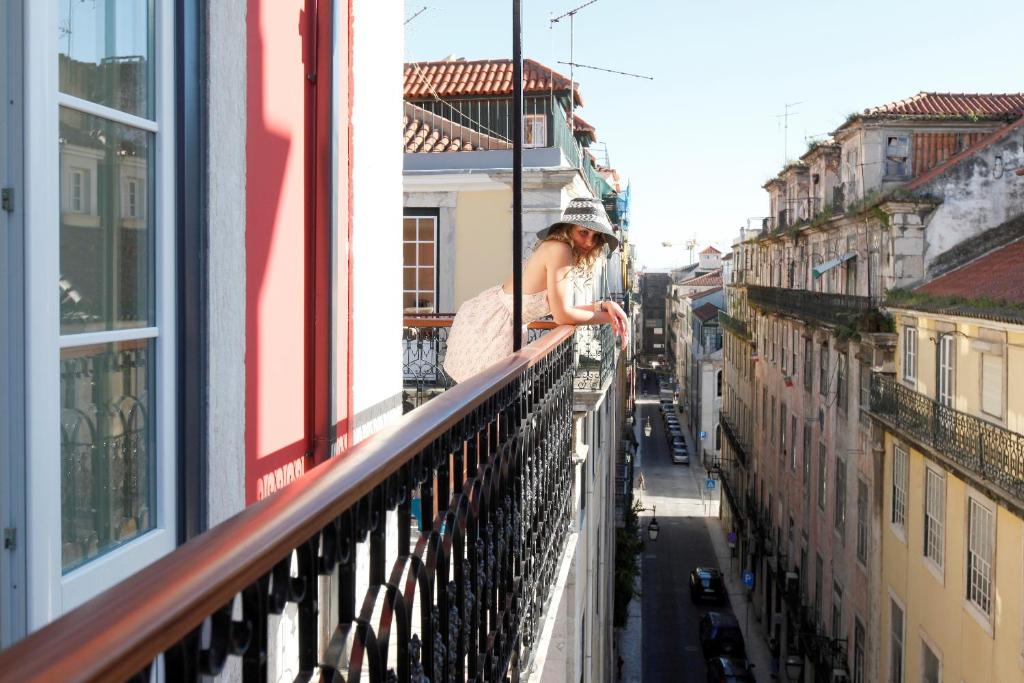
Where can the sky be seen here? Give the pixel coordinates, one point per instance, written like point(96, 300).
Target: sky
point(699, 140)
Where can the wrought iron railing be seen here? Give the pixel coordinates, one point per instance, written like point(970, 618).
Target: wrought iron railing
point(983, 449)
point(733, 438)
point(734, 325)
point(828, 309)
point(424, 346)
point(461, 600)
point(595, 349)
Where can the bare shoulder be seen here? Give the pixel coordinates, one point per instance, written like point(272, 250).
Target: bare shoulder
point(554, 253)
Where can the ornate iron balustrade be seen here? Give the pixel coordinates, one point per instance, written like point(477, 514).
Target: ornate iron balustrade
point(732, 437)
point(827, 309)
point(980, 447)
point(595, 348)
point(424, 346)
point(492, 466)
point(734, 325)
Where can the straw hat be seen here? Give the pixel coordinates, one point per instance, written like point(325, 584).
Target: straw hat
point(586, 213)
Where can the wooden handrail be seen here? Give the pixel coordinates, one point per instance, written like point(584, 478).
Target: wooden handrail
point(119, 632)
point(445, 320)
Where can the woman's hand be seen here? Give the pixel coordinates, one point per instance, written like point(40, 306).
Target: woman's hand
point(618, 320)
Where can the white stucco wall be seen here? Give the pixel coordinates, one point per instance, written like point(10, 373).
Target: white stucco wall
point(377, 214)
point(225, 182)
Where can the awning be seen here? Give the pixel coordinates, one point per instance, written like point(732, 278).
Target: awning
point(830, 264)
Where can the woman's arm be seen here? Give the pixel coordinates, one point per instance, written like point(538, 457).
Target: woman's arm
point(558, 264)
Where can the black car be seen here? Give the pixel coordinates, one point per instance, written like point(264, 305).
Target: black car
point(720, 635)
point(706, 583)
point(730, 670)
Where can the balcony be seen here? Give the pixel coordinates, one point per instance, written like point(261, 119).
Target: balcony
point(425, 343)
point(981, 449)
point(733, 438)
point(492, 469)
point(827, 309)
point(734, 325)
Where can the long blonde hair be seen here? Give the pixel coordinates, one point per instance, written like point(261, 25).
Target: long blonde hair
point(581, 261)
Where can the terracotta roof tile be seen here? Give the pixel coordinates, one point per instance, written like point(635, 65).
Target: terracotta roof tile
point(706, 311)
point(703, 292)
point(710, 250)
point(712, 279)
point(480, 77)
point(424, 131)
point(926, 104)
point(998, 275)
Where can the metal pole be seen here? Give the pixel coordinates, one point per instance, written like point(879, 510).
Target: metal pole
point(517, 175)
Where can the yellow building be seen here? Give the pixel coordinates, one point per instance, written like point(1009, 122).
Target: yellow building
point(950, 413)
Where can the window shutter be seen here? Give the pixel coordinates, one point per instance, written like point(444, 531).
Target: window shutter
point(992, 384)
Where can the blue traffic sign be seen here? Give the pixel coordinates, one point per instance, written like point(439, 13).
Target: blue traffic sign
point(709, 484)
point(703, 435)
point(748, 579)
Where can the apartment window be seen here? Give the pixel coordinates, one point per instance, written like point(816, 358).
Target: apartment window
point(841, 381)
point(793, 346)
point(946, 360)
point(980, 549)
point(851, 276)
point(823, 370)
point(782, 432)
point(819, 582)
point(837, 610)
point(859, 636)
point(808, 364)
point(910, 354)
point(931, 667)
point(79, 190)
point(419, 263)
point(764, 405)
point(803, 573)
point(822, 475)
point(718, 380)
point(934, 515)
point(900, 466)
point(895, 642)
point(862, 521)
point(535, 130)
point(792, 441)
point(839, 516)
point(785, 354)
point(807, 454)
point(771, 425)
point(897, 159)
point(992, 384)
point(865, 386)
point(134, 198)
point(851, 175)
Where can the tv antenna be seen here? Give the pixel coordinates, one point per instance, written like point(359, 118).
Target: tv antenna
point(785, 128)
point(572, 79)
point(420, 11)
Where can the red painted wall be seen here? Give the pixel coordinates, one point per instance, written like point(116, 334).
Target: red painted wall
point(287, 231)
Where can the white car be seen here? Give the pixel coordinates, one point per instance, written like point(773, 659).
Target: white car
point(680, 456)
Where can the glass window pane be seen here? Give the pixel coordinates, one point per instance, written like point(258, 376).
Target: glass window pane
point(106, 251)
point(427, 279)
point(409, 254)
point(409, 278)
point(409, 300)
point(106, 53)
point(426, 254)
point(108, 487)
point(426, 229)
point(409, 229)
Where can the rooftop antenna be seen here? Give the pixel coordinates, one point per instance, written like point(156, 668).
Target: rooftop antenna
point(785, 129)
point(572, 80)
point(419, 12)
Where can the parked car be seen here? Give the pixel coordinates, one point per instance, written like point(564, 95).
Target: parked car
point(680, 456)
point(720, 635)
point(671, 419)
point(677, 441)
point(706, 583)
point(730, 670)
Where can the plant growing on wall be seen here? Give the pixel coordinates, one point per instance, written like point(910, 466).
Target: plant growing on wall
point(628, 546)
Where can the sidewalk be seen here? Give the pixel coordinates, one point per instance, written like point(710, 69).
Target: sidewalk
point(629, 639)
point(757, 644)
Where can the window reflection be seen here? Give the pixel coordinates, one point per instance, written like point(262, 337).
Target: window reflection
point(106, 250)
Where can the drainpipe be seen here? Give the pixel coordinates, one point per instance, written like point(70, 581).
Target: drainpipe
point(517, 175)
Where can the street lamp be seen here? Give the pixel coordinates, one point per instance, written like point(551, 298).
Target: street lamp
point(653, 527)
point(794, 668)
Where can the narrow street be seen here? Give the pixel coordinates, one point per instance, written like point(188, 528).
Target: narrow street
point(671, 646)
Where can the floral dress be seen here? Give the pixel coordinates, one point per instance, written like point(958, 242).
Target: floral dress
point(481, 333)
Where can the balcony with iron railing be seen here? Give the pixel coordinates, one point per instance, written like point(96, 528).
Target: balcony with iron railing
point(821, 307)
point(491, 469)
point(425, 345)
point(979, 449)
point(732, 436)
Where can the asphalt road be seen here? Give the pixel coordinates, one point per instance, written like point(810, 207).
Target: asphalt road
point(671, 648)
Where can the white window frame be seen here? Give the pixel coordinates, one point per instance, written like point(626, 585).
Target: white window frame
point(910, 354)
point(985, 407)
point(899, 491)
point(934, 521)
point(946, 357)
point(981, 514)
point(50, 592)
point(417, 266)
point(927, 645)
point(893, 638)
point(535, 130)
